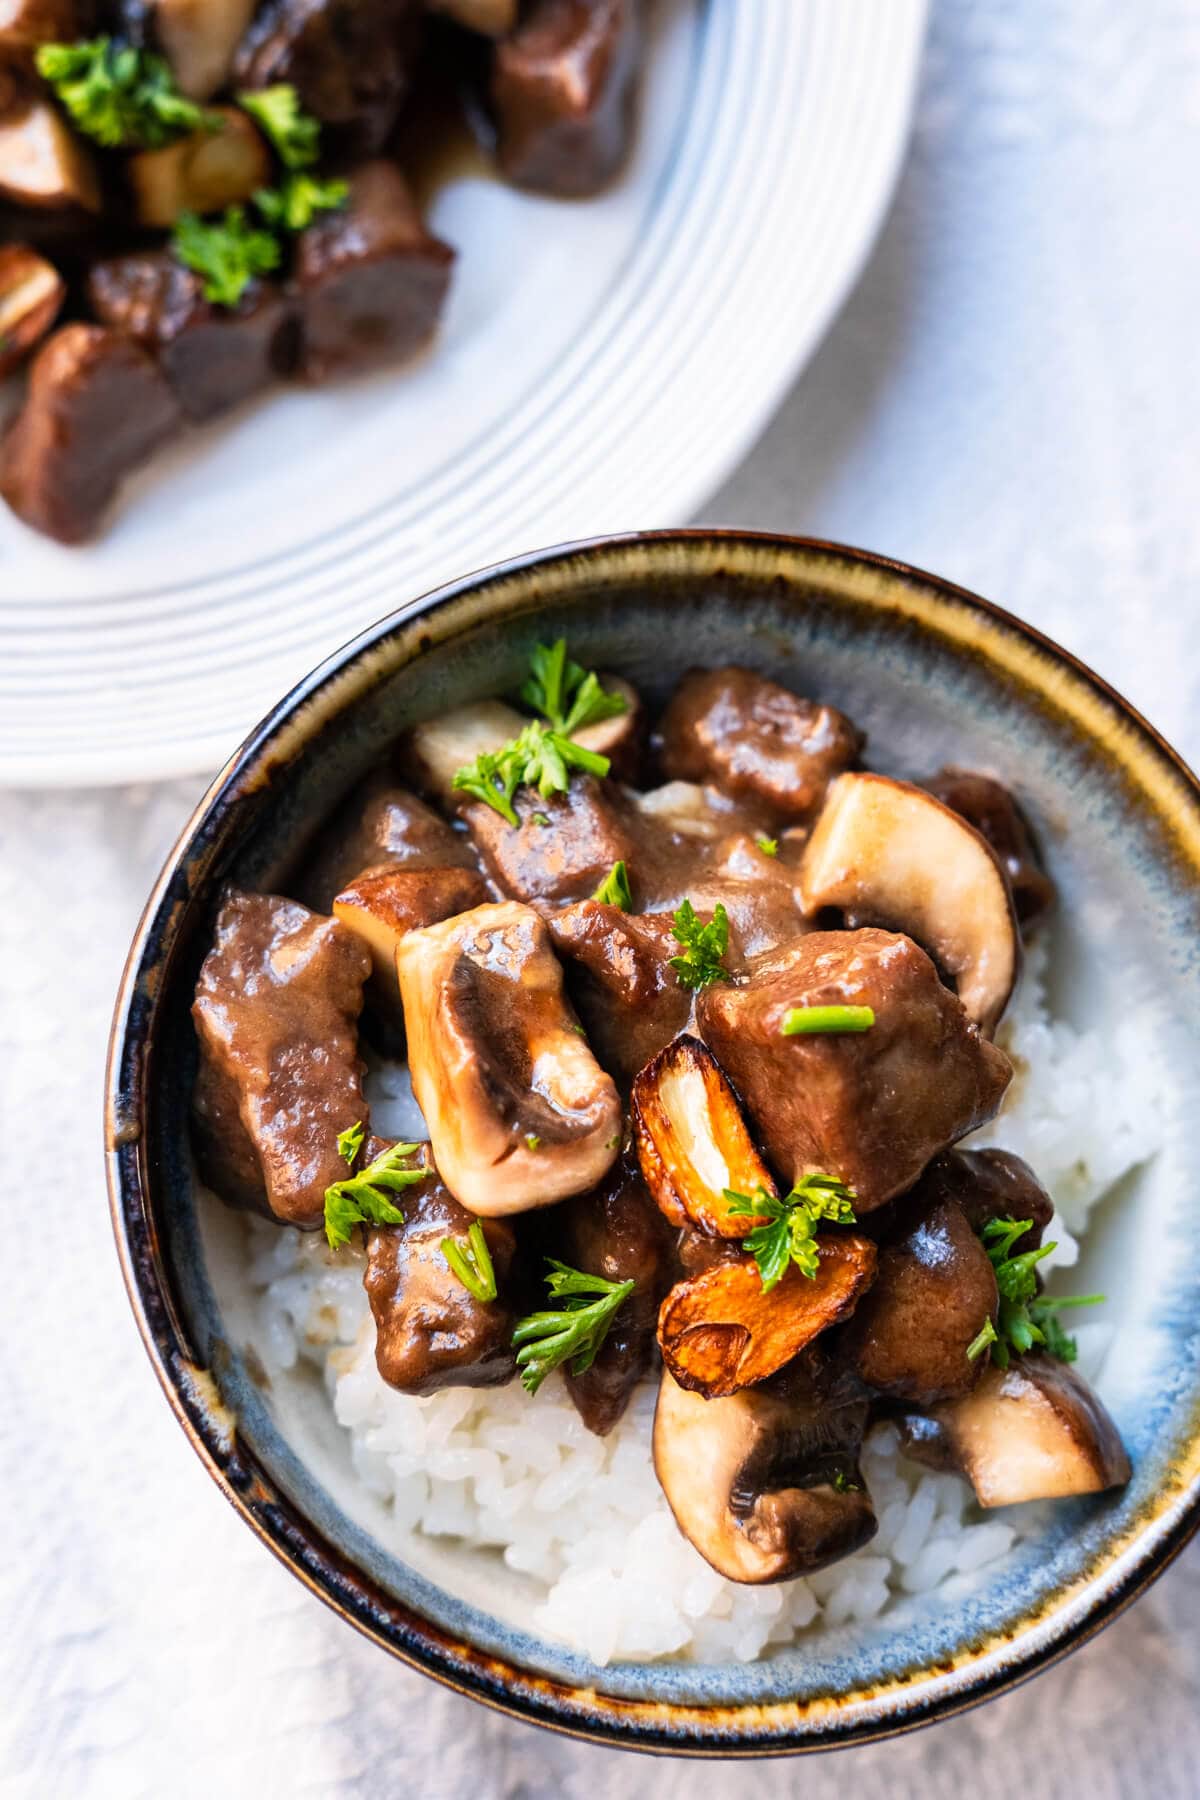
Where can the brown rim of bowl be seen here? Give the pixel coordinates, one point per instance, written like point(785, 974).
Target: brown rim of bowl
point(776, 1728)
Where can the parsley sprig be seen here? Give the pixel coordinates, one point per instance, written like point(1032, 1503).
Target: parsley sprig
point(295, 203)
point(615, 890)
point(1024, 1319)
point(567, 696)
point(471, 1261)
point(295, 137)
point(539, 757)
point(120, 97)
point(571, 1333)
point(362, 1199)
point(789, 1236)
point(227, 253)
point(704, 946)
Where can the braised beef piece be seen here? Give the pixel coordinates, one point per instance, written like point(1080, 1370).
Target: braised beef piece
point(563, 91)
point(369, 280)
point(381, 906)
point(871, 1107)
point(350, 61)
point(563, 848)
point(627, 994)
point(991, 1184)
point(26, 24)
point(758, 891)
point(225, 1153)
point(989, 806)
point(933, 1293)
point(430, 1331)
point(615, 1231)
point(213, 356)
point(755, 738)
point(379, 825)
point(276, 1012)
point(96, 408)
point(697, 1251)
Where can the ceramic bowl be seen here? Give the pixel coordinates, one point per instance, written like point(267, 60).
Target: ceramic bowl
point(936, 676)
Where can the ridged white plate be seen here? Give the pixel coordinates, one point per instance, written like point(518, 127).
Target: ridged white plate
point(602, 367)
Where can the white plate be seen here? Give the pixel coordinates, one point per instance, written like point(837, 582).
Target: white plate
point(602, 367)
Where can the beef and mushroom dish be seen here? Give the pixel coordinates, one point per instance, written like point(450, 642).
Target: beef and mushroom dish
point(696, 1009)
point(199, 198)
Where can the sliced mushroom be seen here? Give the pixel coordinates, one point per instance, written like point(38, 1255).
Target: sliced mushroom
point(722, 1330)
point(439, 748)
point(765, 1487)
point(621, 738)
point(198, 39)
point(890, 854)
point(42, 162)
point(381, 905)
point(519, 1111)
point(1033, 1431)
point(31, 293)
point(692, 1141)
point(200, 173)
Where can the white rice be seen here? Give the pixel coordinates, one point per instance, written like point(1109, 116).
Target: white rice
point(583, 1518)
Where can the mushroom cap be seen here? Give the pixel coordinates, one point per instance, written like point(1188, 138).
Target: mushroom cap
point(890, 854)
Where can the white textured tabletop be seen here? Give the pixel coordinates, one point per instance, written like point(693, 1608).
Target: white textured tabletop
point(1012, 398)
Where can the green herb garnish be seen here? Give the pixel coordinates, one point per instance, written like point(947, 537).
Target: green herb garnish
point(121, 97)
point(1025, 1319)
point(615, 890)
point(295, 203)
point(362, 1199)
point(532, 1141)
point(471, 1261)
point(568, 697)
point(789, 1236)
point(572, 1333)
point(808, 1021)
point(703, 946)
point(768, 846)
point(540, 757)
point(294, 135)
point(228, 253)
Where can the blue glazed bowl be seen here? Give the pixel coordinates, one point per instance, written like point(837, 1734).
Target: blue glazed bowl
point(936, 676)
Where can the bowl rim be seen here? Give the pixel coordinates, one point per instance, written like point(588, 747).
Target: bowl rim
point(777, 1728)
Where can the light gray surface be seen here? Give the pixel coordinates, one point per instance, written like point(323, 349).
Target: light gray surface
point(1011, 399)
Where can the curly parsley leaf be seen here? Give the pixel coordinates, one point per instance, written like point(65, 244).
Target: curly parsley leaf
point(567, 696)
point(1024, 1318)
point(572, 1333)
point(120, 97)
point(471, 1261)
point(362, 1199)
point(615, 890)
point(704, 946)
point(294, 135)
point(769, 846)
point(539, 757)
point(295, 203)
point(227, 253)
point(789, 1234)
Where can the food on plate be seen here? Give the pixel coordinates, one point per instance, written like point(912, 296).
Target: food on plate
point(230, 186)
point(693, 1059)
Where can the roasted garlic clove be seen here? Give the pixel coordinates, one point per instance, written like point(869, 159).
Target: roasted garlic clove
point(693, 1142)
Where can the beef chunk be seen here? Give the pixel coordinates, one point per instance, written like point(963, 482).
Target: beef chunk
point(933, 1293)
point(627, 994)
point(369, 280)
point(991, 1184)
point(563, 90)
point(616, 1231)
point(756, 739)
point(213, 356)
point(275, 1011)
point(349, 60)
point(380, 826)
point(563, 848)
point(873, 1107)
point(990, 807)
point(96, 408)
point(225, 1153)
point(430, 1332)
